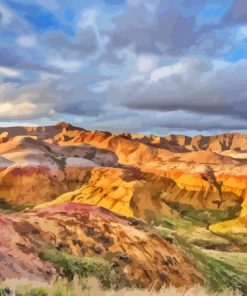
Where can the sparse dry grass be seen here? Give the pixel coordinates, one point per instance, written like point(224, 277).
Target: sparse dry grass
point(91, 287)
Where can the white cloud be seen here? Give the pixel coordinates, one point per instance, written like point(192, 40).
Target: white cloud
point(242, 32)
point(26, 41)
point(191, 84)
point(17, 110)
point(179, 68)
point(69, 66)
point(100, 86)
point(146, 63)
point(189, 70)
point(87, 19)
point(137, 78)
point(49, 4)
point(116, 72)
point(5, 15)
point(49, 76)
point(9, 72)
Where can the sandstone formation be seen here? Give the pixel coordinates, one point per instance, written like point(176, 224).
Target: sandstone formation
point(65, 163)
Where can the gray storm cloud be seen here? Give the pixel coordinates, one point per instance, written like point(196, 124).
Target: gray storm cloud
point(150, 66)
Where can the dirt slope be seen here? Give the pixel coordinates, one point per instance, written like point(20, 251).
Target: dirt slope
point(135, 252)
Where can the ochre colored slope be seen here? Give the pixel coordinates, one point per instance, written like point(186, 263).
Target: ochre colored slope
point(118, 190)
point(204, 172)
point(106, 188)
point(196, 188)
point(207, 177)
point(238, 225)
point(234, 226)
point(175, 165)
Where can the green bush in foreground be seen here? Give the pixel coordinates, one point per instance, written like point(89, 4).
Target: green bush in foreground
point(34, 292)
point(69, 266)
point(219, 276)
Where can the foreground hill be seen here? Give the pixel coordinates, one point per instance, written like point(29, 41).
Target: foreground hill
point(41, 244)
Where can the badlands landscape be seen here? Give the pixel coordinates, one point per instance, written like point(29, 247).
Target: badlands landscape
point(133, 211)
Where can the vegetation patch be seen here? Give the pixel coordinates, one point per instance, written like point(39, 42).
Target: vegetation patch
point(70, 266)
point(205, 217)
point(219, 275)
point(5, 206)
point(237, 238)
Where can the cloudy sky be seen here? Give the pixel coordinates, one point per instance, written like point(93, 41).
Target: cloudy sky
point(147, 66)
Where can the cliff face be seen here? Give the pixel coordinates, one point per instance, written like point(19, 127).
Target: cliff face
point(129, 174)
point(120, 190)
point(137, 254)
point(208, 178)
point(33, 171)
point(220, 143)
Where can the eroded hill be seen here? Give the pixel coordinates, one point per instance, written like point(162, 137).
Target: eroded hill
point(192, 192)
point(44, 243)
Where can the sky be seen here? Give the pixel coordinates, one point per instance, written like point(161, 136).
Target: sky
point(143, 66)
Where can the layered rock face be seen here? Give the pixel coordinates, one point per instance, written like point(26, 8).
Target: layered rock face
point(33, 171)
point(120, 190)
point(134, 251)
point(129, 174)
point(206, 174)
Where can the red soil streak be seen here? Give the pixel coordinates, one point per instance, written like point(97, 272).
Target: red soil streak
point(29, 171)
point(69, 208)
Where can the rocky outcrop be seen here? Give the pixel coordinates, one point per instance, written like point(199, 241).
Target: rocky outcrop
point(218, 143)
point(33, 171)
point(40, 164)
point(134, 250)
point(193, 185)
point(122, 191)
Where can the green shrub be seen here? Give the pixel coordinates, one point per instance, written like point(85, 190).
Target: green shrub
point(69, 266)
point(205, 217)
point(237, 238)
point(218, 275)
point(36, 292)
